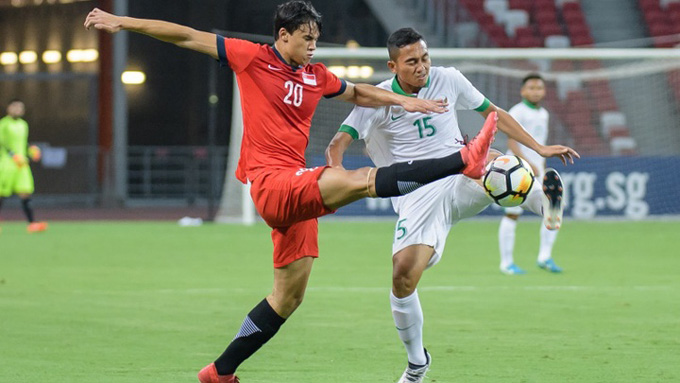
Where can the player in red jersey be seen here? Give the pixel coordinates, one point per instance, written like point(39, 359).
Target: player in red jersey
point(280, 90)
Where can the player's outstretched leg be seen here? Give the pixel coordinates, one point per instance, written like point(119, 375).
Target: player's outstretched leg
point(416, 374)
point(476, 151)
point(340, 187)
point(402, 178)
point(553, 207)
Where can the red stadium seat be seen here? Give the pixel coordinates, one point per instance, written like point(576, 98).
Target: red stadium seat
point(524, 32)
point(544, 4)
point(578, 29)
point(549, 30)
point(485, 20)
point(674, 15)
point(656, 17)
point(571, 7)
point(573, 18)
point(520, 4)
point(650, 7)
point(660, 29)
point(544, 16)
point(577, 41)
point(528, 42)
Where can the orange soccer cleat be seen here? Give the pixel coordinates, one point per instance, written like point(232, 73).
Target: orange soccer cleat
point(476, 151)
point(36, 227)
point(209, 375)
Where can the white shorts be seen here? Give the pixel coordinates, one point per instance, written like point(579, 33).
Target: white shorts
point(427, 214)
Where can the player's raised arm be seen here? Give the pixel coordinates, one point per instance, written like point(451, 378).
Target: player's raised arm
point(335, 150)
point(369, 95)
point(180, 35)
point(508, 125)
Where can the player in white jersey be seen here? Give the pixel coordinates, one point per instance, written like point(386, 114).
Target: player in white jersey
point(427, 214)
point(534, 119)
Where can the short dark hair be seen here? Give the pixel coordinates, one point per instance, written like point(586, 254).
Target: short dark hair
point(293, 14)
point(401, 38)
point(532, 76)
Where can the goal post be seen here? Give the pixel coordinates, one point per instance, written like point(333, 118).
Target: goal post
point(620, 108)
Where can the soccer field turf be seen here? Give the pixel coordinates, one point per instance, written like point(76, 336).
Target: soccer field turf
point(153, 302)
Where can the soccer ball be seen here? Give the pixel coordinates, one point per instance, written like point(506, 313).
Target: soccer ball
point(508, 180)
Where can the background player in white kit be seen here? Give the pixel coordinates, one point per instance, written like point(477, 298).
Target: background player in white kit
point(427, 214)
point(534, 119)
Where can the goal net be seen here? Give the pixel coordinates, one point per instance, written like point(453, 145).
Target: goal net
point(620, 109)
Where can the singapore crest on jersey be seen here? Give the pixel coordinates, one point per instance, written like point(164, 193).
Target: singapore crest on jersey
point(309, 78)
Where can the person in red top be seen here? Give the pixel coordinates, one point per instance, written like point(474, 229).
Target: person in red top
point(280, 90)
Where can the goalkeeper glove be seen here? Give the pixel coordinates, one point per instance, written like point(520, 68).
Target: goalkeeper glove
point(19, 160)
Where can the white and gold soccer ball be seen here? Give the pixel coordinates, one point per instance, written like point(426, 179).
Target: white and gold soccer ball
point(508, 180)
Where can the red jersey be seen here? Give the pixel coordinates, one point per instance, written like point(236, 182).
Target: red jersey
point(278, 102)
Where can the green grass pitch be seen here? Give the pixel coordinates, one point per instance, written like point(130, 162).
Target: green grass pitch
point(153, 302)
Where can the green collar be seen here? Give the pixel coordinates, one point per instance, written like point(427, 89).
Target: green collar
point(396, 88)
point(530, 104)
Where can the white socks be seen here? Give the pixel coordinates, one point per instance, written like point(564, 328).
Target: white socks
point(408, 317)
point(506, 240)
point(534, 201)
point(547, 242)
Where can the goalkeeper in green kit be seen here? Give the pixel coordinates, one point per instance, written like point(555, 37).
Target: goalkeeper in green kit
point(15, 172)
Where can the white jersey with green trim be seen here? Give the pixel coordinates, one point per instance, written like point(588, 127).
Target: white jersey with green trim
point(534, 119)
point(394, 135)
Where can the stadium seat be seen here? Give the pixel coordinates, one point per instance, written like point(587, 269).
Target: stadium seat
point(557, 41)
point(653, 18)
point(573, 18)
point(651, 9)
point(571, 7)
point(520, 4)
point(578, 29)
point(513, 19)
point(485, 20)
point(545, 17)
point(623, 146)
point(550, 30)
point(524, 32)
point(609, 120)
point(569, 88)
point(541, 5)
point(528, 42)
point(581, 41)
point(497, 8)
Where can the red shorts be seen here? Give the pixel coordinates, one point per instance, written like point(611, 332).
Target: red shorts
point(289, 201)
